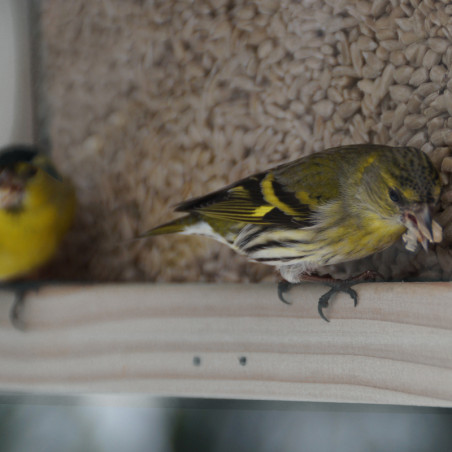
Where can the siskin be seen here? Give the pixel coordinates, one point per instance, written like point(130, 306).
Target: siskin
point(36, 209)
point(334, 206)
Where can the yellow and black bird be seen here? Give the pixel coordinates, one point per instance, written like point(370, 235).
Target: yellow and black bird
point(334, 206)
point(36, 209)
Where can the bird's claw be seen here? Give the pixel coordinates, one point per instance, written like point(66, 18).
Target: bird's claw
point(284, 287)
point(335, 288)
point(323, 304)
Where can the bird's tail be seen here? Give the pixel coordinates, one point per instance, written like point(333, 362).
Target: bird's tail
point(172, 227)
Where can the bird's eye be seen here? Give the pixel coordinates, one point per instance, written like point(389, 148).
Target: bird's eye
point(394, 195)
point(431, 200)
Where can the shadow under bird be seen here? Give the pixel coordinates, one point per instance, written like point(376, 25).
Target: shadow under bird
point(36, 209)
point(334, 206)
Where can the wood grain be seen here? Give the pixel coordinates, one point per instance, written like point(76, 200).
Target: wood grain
point(234, 341)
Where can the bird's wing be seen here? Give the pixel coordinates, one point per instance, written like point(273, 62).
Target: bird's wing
point(286, 196)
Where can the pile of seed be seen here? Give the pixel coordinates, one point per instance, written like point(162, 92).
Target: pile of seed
point(152, 102)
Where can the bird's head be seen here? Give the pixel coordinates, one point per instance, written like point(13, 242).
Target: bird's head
point(16, 168)
point(19, 166)
point(402, 186)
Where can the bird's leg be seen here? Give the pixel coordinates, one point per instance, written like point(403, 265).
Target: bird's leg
point(20, 290)
point(337, 285)
point(368, 275)
point(16, 309)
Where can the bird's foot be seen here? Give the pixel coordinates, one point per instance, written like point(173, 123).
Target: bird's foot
point(20, 290)
point(336, 285)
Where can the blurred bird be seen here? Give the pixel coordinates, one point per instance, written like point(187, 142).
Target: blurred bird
point(36, 209)
point(334, 206)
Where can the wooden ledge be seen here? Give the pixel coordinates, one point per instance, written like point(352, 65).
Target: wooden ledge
point(233, 341)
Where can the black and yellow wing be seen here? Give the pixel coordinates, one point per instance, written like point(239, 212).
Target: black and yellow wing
point(287, 195)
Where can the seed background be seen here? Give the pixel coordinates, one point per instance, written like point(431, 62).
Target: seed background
point(148, 103)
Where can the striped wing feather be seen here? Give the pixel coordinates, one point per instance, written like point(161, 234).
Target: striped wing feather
point(265, 198)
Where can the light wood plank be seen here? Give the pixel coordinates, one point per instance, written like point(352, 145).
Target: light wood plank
point(395, 347)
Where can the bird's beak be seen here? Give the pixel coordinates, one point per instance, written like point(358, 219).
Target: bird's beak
point(421, 227)
point(11, 189)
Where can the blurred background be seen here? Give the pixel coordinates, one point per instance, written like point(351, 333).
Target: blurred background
point(147, 103)
point(135, 424)
point(15, 74)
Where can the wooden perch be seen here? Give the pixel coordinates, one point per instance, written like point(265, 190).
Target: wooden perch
point(235, 341)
